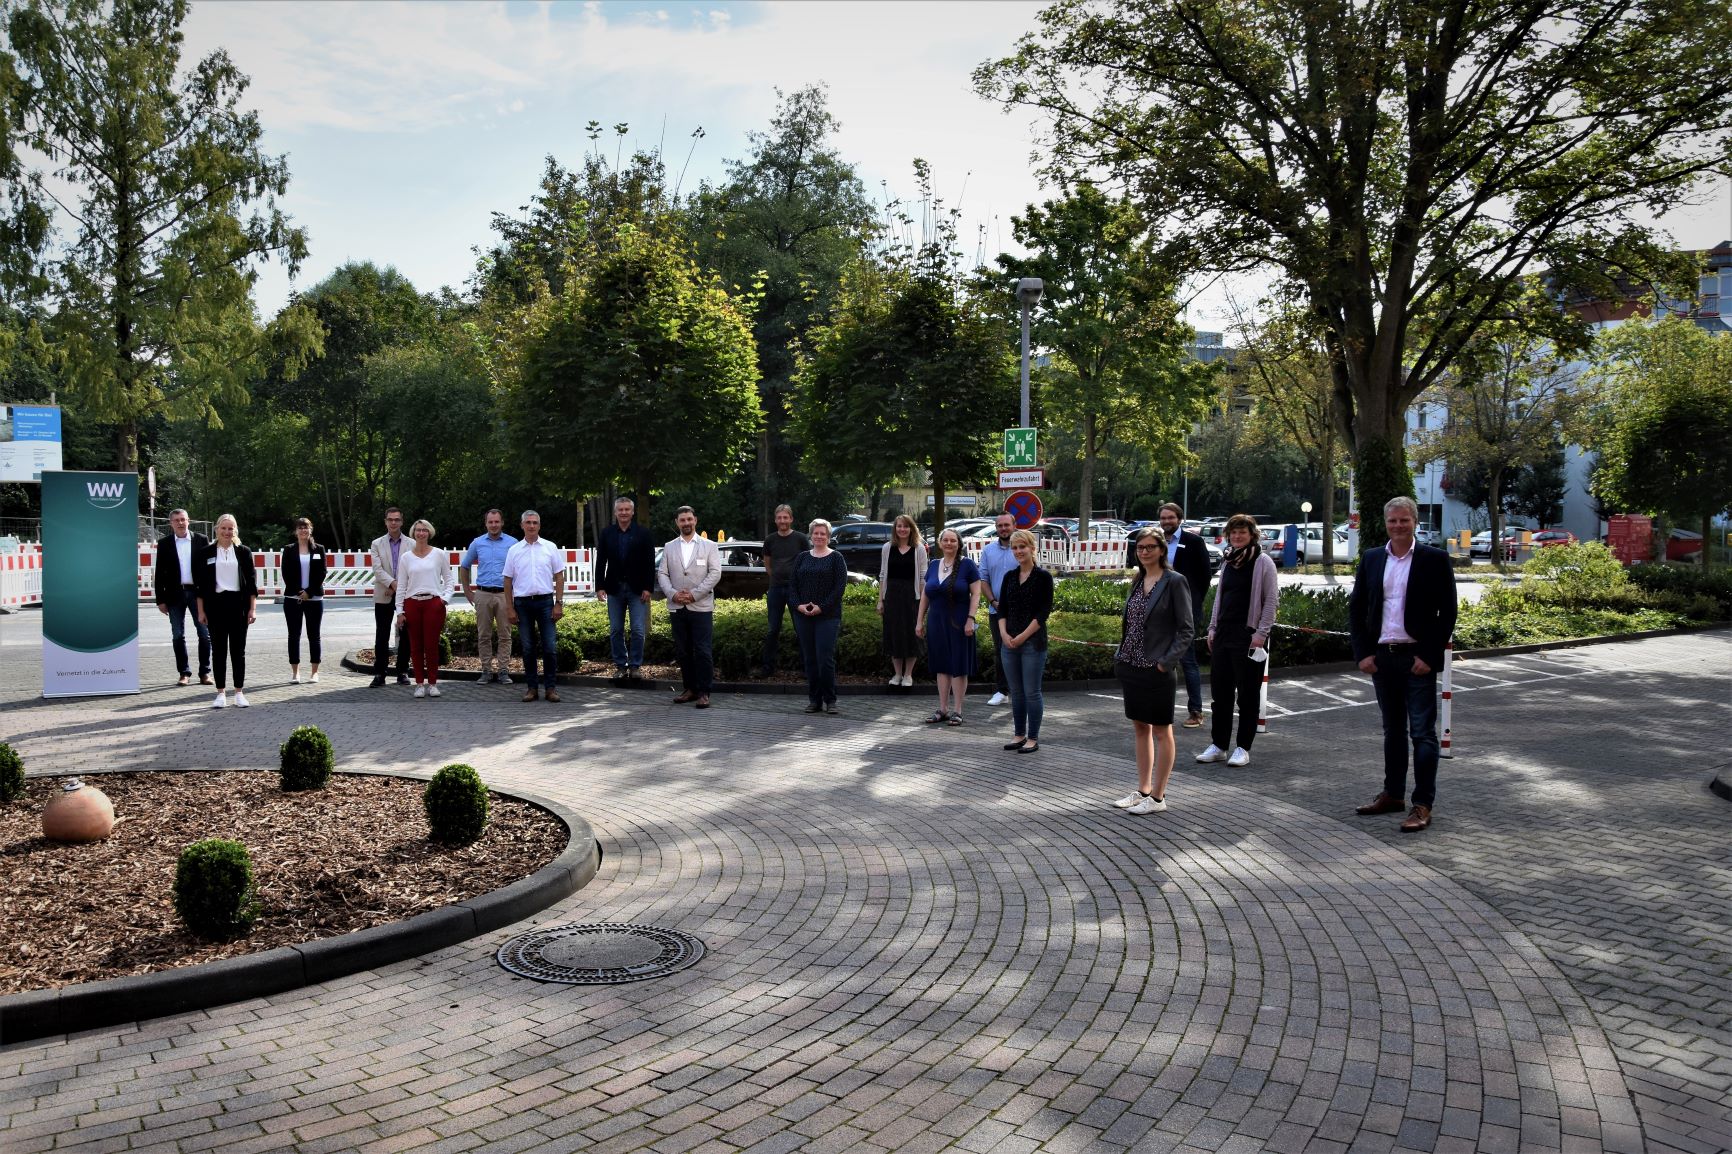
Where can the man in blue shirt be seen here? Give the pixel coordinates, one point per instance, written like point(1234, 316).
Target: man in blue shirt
point(625, 572)
point(485, 560)
point(995, 561)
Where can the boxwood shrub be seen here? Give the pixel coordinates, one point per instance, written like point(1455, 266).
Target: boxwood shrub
point(306, 759)
point(455, 802)
point(213, 888)
point(11, 774)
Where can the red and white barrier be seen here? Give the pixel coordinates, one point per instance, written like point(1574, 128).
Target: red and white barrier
point(1065, 556)
point(1446, 747)
point(349, 573)
point(20, 579)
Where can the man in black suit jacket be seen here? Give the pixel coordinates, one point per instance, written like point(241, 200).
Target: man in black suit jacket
point(1189, 557)
point(625, 572)
point(1403, 613)
point(175, 596)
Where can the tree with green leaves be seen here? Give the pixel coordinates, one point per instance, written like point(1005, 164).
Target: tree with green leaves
point(784, 224)
point(173, 202)
point(1538, 489)
point(1406, 164)
point(1285, 368)
point(1664, 428)
point(643, 373)
point(1121, 363)
point(909, 370)
point(1512, 402)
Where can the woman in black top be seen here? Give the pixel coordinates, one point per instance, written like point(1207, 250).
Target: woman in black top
point(1157, 630)
point(303, 596)
point(815, 588)
point(1024, 604)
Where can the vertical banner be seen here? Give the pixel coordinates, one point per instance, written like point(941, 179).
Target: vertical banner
point(89, 583)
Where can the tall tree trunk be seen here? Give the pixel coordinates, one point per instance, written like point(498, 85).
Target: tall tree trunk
point(1327, 513)
point(937, 501)
point(643, 498)
point(766, 500)
point(1085, 503)
point(876, 493)
point(582, 505)
point(1494, 506)
point(1707, 541)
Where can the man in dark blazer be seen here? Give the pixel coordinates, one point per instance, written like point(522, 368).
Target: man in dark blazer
point(1402, 613)
point(1189, 557)
point(625, 572)
point(175, 595)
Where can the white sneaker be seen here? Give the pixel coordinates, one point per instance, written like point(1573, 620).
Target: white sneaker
point(1148, 805)
point(314, 679)
point(997, 699)
point(1128, 800)
point(222, 701)
point(420, 691)
point(241, 700)
point(1213, 753)
point(1240, 757)
point(896, 680)
point(432, 691)
point(908, 679)
point(294, 679)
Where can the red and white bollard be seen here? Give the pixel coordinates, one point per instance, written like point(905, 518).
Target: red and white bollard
point(1445, 746)
point(1263, 692)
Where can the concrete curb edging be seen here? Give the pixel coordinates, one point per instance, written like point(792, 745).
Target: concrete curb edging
point(93, 1005)
point(1093, 685)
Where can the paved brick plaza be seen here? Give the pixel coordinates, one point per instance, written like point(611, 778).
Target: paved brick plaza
point(918, 942)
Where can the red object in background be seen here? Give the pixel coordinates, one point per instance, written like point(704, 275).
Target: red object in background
point(1683, 545)
point(1353, 520)
point(1631, 538)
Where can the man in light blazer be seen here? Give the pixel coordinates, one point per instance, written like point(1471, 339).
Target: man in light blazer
point(176, 595)
point(1402, 613)
point(386, 550)
point(691, 568)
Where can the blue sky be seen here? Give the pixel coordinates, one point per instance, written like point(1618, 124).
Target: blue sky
point(408, 124)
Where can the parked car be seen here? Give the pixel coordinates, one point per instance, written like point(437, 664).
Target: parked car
point(1549, 537)
point(860, 543)
point(744, 575)
point(1427, 536)
point(1479, 545)
point(1311, 541)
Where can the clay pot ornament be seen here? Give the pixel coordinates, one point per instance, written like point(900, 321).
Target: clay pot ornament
point(81, 813)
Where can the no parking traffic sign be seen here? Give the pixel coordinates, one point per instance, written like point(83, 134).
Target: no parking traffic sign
point(1025, 507)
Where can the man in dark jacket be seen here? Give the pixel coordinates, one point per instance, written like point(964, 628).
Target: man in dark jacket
point(175, 597)
point(1189, 557)
point(625, 572)
point(1402, 614)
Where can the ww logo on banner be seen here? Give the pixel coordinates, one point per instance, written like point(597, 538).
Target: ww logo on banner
point(106, 494)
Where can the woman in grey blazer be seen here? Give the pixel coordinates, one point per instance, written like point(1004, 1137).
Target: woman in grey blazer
point(1158, 628)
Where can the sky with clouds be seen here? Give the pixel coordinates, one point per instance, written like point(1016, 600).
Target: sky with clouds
point(408, 124)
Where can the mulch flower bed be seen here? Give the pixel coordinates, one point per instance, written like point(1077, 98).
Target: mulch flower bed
point(326, 862)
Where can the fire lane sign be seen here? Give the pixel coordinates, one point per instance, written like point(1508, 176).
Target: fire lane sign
point(1022, 478)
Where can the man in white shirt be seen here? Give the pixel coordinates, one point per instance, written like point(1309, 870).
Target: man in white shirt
point(1402, 613)
point(691, 569)
point(175, 596)
point(534, 577)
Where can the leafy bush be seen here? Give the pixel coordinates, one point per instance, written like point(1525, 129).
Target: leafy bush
point(1092, 594)
point(456, 805)
point(1324, 609)
point(213, 888)
point(860, 593)
point(306, 759)
point(11, 774)
point(1524, 616)
point(1689, 582)
point(1579, 573)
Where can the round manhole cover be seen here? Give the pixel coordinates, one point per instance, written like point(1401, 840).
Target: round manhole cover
point(599, 953)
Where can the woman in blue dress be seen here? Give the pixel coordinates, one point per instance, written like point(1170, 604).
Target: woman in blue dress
point(948, 601)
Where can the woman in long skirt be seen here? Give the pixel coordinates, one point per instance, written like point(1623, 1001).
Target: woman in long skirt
point(948, 602)
point(901, 573)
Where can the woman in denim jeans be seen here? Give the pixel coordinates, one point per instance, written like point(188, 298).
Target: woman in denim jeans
point(1024, 604)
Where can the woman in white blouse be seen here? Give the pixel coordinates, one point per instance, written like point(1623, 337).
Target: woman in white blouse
point(228, 598)
point(423, 588)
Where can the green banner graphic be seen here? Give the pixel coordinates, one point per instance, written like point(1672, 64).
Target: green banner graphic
point(89, 583)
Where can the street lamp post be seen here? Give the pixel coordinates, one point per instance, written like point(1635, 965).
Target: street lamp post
point(1028, 291)
point(1305, 508)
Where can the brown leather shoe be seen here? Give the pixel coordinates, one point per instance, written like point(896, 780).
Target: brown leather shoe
point(684, 698)
point(1382, 803)
point(1195, 721)
point(703, 701)
point(530, 694)
point(551, 695)
point(1417, 819)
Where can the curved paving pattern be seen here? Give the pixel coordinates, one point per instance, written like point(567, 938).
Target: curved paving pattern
point(913, 943)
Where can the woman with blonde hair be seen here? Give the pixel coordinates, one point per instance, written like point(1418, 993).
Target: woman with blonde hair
point(1024, 603)
point(901, 565)
point(228, 601)
point(1157, 629)
point(949, 600)
point(423, 588)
